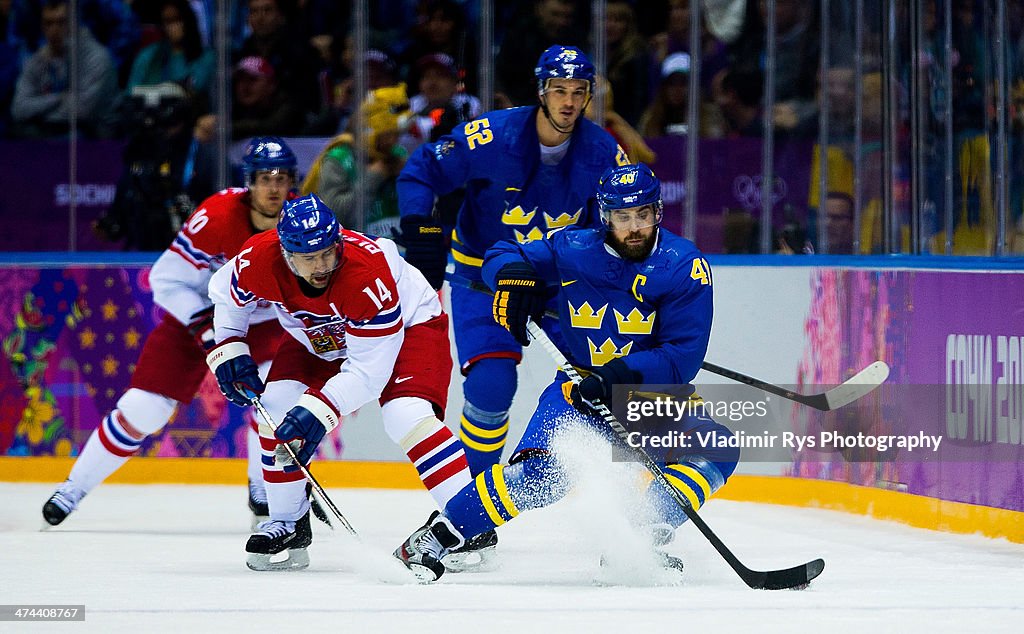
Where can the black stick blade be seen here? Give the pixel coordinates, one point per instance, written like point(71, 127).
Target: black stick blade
point(796, 578)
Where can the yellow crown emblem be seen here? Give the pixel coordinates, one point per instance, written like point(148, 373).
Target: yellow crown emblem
point(607, 351)
point(563, 220)
point(517, 216)
point(585, 316)
point(635, 323)
point(534, 234)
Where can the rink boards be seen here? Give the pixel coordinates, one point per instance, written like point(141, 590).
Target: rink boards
point(950, 329)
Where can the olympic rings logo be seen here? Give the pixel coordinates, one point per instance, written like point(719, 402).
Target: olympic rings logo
point(747, 190)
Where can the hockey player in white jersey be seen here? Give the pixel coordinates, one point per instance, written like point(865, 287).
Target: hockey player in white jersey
point(361, 325)
point(172, 364)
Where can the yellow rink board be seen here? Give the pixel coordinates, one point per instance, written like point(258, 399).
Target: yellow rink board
point(915, 510)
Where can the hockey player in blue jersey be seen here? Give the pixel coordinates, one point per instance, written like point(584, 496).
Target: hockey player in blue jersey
point(526, 171)
point(634, 305)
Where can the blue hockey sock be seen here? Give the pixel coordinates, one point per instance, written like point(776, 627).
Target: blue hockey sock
point(499, 493)
point(695, 477)
point(489, 388)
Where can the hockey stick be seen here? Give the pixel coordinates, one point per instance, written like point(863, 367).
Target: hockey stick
point(857, 386)
point(796, 577)
point(319, 490)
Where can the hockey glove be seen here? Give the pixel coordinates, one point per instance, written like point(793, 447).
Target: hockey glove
point(518, 297)
point(598, 386)
point(236, 372)
point(305, 425)
point(425, 247)
point(200, 326)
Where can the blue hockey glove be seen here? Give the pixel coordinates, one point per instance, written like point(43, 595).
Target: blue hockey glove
point(235, 370)
point(307, 423)
point(425, 247)
point(200, 326)
point(518, 297)
point(598, 386)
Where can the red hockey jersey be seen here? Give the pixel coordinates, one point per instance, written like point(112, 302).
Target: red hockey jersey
point(361, 317)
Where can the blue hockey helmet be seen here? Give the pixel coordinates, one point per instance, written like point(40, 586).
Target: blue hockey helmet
point(629, 186)
point(565, 62)
point(307, 225)
point(268, 153)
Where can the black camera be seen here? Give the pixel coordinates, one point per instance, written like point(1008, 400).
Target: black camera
point(150, 204)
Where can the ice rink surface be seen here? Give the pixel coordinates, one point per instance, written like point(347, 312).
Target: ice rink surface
point(170, 558)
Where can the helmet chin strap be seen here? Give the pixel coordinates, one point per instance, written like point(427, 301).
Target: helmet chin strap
point(558, 128)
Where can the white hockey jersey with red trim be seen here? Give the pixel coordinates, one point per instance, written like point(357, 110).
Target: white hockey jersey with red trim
point(213, 234)
point(360, 317)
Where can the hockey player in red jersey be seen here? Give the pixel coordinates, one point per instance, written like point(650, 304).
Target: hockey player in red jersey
point(361, 325)
point(171, 366)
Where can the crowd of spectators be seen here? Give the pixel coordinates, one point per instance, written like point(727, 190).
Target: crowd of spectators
point(292, 64)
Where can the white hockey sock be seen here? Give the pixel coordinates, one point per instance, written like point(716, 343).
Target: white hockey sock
point(439, 459)
point(107, 449)
point(287, 500)
point(438, 456)
point(252, 447)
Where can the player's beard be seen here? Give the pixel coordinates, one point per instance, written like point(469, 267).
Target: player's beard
point(635, 252)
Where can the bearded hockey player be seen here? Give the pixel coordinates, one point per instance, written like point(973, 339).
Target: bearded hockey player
point(634, 304)
point(362, 325)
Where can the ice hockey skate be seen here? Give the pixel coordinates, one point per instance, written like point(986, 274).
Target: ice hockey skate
point(426, 547)
point(660, 535)
point(274, 537)
point(64, 500)
point(478, 554)
point(317, 510)
point(258, 504)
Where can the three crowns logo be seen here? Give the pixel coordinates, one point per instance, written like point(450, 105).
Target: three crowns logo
point(562, 221)
point(517, 216)
point(635, 323)
point(607, 351)
point(586, 317)
point(534, 234)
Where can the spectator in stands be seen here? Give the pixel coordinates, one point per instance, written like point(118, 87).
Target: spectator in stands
point(676, 39)
point(839, 222)
point(550, 22)
point(338, 101)
point(391, 23)
point(334, 174)
point(628, 137)
point(439, 105)
point(441, 28)
point(11, 53)
point(296, 64)
point(260, 104)
point(111, 22)
point(668, 113)
point(798, 46)
point(628, 69)
point(324, 23)
point(739, 231)
point(41, 104)
point(737, 93)
point(179, 55)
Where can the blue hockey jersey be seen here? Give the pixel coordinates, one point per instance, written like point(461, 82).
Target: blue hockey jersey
point(656, 314)
point(510, 194)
